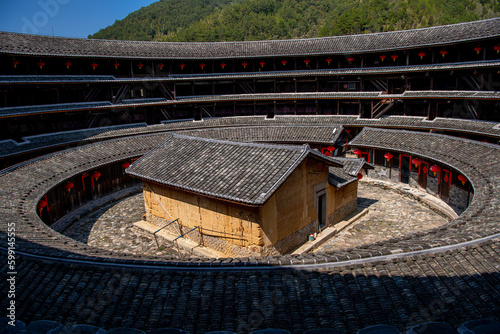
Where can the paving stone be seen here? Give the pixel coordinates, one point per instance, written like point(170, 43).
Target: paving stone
point(392, 214)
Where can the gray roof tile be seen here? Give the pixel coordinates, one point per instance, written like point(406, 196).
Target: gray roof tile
point(13, 43)
point(339, 178)
point(241, 172)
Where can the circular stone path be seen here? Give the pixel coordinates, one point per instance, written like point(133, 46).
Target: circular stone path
point(391, 214)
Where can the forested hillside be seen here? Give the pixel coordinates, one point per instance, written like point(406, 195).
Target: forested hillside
point(161, 19)
point(226, 20)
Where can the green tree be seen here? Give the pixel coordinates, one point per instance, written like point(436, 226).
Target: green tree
point(232, 20)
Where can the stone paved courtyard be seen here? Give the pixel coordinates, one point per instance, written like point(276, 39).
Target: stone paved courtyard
point(111, 227)
point(391, 214)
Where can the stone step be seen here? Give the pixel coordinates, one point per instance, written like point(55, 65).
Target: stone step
point(330, 231)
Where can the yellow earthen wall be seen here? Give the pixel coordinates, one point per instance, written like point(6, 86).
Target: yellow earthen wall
point(343, 196)
point(234, 223)
point(292, 206)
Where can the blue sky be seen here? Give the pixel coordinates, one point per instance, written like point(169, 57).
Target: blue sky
point(66, 18)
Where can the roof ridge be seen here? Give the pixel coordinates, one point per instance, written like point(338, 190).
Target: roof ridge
point(474, 22)
point(19, 43)
point(369, 128)
point(244, 144)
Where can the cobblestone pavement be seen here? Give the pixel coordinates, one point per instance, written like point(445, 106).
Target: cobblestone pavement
point(391, 214)
point(111, 228)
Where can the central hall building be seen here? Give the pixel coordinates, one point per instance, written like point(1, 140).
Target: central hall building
point(245, 199)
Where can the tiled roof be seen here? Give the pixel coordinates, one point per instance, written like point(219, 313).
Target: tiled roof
point(399, 122)
point(143, 100)
point(401, 69)
point(272, 133)
point(281, 129)
point(477, 161)
point(24, 44)
point(239, 172)
point(338, 178)
point(453, 269)
point(149, 102)
point(23, 79)
point(51, 140)
point(59, 79)
point(352, 95)
point(353, 166)
point(39, 109)
point(451, 286)
point(23, 186)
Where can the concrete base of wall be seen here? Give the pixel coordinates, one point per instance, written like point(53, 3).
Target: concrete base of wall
point(294, 240)
point(342, 212)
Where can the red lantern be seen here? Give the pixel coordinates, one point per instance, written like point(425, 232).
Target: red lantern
point(435, 169)
point(182, 66)
point(262, 63)
point(328, 151)
point(478, 49)
point(202, 66)
point(93, 65)
point(443, 53)
point(416, 162)
point(41, 64)
point(328, 60)
point(68, 186)
point(161, 66)
point(357, 152)
point(283, 62)
point(382, 57)
point(388, 156)
point(41, 205)
point(223, 65)
point(394, 57)
point(140, 66)
point(15, 63)
point(360, 176)
point(497, 48)
point(116, 65)
point(96, 175)
point(462, 179)
point(307, 61)
point(421, 55)
point(68, 64)
point(350, 59)
point(125, 165)
point(244, 64)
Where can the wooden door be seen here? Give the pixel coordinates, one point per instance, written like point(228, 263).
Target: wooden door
point(404, 168)
point(445, 184)
point(423, 173)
